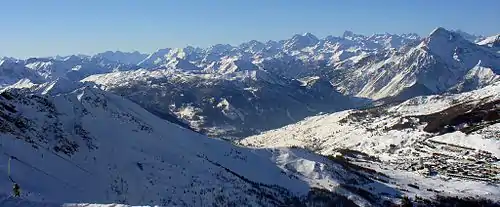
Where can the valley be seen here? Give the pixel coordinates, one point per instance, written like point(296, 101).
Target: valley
point(350, 120)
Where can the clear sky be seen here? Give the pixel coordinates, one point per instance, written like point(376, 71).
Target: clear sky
point(50, 27)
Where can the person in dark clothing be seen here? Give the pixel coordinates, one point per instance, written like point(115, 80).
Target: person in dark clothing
point(17, 190)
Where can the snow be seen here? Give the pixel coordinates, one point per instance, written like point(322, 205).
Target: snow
point(229, 110)
point(9, 201)
point(326, 134)
point(475, 141)
point(430, 104)
point(187, 112)
point(123, 57)
point(126, 134)
point(490, 40)
point(23, 83)
point(451, 187)
point(439, 63)
point(165, 149)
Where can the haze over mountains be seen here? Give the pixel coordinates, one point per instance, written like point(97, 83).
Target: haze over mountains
point(141, 121)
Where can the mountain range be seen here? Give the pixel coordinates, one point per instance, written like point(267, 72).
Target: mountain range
point(214, 90)
point(349, 120)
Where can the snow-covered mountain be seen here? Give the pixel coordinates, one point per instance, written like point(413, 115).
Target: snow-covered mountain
point(121, 127)
point(131, 58)
point(470, 37)
point(379, 66)
point(305, 47)
point(12, 70)
point(492, 42)
point(86, 145)
point(163, 57)
point(435, 65)
point(196, 87)
point(74, 143)
point(74, 67)
point(448, 144)
point(231, 104)
point(79, 144)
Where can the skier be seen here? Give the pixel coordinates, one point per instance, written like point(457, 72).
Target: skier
point(16, 190)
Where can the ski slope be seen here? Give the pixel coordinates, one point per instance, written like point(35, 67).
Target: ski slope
point(80, 144)
point(396, 135)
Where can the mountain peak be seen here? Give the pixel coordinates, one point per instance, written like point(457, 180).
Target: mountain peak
point(309, 35)
point(73, 58)
point(468, 36)
point(492, 41)
point(348, 33)
point(59, 85)
point(298, 42)
point(440, 36)
point(438, 31)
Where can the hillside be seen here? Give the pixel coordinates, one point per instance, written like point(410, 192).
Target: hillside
point(439, 142)
point(79, 144)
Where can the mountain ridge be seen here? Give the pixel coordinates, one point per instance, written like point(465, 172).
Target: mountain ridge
point(353, 120)
point(379, 67)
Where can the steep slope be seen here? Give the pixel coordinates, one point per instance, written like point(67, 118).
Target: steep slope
point(162, 57)
point(299, 42)
point(439, 142)
point(477, 77)
point(11, 71)
point(439, 63)
point(38, 70)
point(74, 67)
point(299, 50)
point(230, 65)
point(493, 42)
point(131, 58)
point(470, 37)
point(84, 145)
point(231, 105)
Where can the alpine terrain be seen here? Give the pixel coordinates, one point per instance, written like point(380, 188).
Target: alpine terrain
point(350, 120)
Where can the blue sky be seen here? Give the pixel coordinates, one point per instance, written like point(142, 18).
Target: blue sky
point(50, 27)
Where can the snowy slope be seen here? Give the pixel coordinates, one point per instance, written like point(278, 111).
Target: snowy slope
point(376, 66)
point(208, 93)
point(439, 142)
point(301, 48)
point(437, 64)
point(11, 71)
point(470, 37)
point(492, 42)
point(84, 145)
point(132, 58)
point(232, 104)
point(336, 130)
point(74, 67)
point(40, 70)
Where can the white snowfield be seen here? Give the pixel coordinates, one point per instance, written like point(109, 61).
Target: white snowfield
point(440, 62)
point(434, 103)
point(113, 151)
point(73, 144)
point(126, 78)
point(326, 134)
point(292, 57)
point(489, 41)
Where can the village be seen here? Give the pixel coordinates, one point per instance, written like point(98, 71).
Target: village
point(434, 158)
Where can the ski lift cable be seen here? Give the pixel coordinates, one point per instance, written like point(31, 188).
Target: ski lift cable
point(36, 169)
point(65, 159)
point(70, 162)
